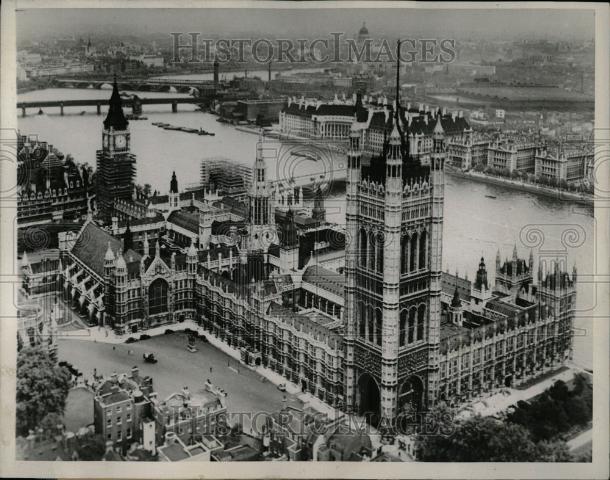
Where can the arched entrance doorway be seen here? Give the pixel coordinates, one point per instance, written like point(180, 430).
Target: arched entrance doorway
point(369, 398)
point(410, 395)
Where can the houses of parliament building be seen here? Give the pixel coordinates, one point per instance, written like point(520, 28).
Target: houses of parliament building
point(364, 318)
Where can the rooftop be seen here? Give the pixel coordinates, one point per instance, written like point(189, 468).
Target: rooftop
point(188, 221)
point(325, 279)
point(92, 244)
point(115, 397)
point(174, 452)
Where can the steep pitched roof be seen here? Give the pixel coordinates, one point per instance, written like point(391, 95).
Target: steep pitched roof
point(185, 220)
point(325, 279)
point(91, 246)
point(115, 118)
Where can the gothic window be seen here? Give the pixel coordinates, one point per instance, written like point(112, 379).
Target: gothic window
point(361, 320)
point(379, 249)
point(363, 247)
point(371, 251)
point(265, 212)
point(369, 320)
point(32, 335)
point(403, 328)
point(157, 296)
point(476, 359)
point(465, 361)
point(421, 316)
point(378, 326)
point(422, 249)
point(404, 254)
point(411, 325)
point(413, 258)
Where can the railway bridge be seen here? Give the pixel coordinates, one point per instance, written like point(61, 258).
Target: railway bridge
point(134, 102)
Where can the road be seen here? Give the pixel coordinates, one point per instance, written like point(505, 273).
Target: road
point(247, 391)
point(585, 438)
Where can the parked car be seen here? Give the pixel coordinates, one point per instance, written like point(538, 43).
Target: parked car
point(70, 368)
point(191, 348)
point(149, 358)
point(281, 387)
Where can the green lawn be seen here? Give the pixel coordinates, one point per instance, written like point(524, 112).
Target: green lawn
point(79, 409)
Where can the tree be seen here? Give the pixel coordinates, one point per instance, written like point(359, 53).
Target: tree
point(91, 447)
point(439, 424)
point(547, 418)
point(580, 412)
point(147, 189)
point(559, 391)
point(557, 410)
point(580, 404)
point(481, 439)
point(556, 451)
point(42, 388)
point(51, 424)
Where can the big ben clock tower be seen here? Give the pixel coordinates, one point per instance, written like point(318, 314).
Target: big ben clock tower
point(115, 163)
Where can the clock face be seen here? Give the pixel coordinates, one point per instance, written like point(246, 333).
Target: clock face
point(120, 141)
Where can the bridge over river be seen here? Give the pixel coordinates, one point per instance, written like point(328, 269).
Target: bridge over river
point(203, 87)
point(134, 102)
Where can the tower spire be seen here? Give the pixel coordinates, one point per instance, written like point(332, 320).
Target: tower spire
point(127, 238)
point(173, 184)
point(404, 149)
point(455, 301)
point(115, 118)
point(396, 115)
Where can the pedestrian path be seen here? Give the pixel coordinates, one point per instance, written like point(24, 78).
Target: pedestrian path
point(581, 440)
point(104, 335)
point(499, 402)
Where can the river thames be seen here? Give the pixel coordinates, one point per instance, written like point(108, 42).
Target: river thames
point(479, 218)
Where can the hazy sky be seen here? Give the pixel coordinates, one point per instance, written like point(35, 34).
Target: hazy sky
point(509, 24)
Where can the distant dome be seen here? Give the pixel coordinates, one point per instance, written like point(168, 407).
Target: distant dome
point(363, 30)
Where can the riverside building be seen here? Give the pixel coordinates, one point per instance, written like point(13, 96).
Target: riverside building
point(383, 333)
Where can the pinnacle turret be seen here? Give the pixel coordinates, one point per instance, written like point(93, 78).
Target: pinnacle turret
point(455, 301)
point(173, 184)
point(109, 257)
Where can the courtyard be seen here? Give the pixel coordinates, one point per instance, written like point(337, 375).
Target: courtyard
point(247, 391)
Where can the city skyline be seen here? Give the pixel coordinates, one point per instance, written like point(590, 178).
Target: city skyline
point(492, 24)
